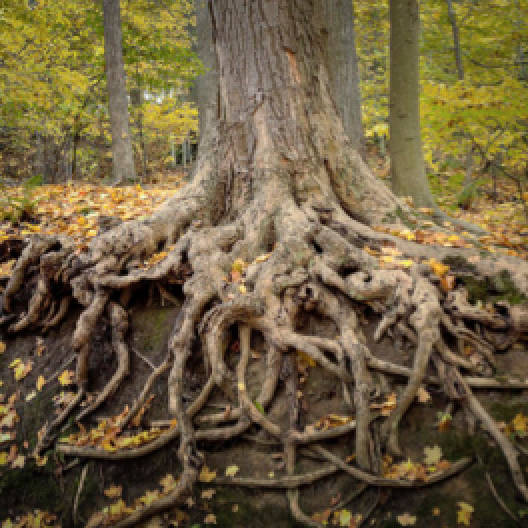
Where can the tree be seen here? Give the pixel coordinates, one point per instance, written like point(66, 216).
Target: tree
point(122, 154)
point(276, 224)
point(339, 44)
point(408, 176)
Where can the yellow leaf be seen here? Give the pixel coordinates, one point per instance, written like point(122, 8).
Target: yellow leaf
point(208, 494)
point(19, 462)
point(464, 514)
point(66, 378)
point(206, 475)
point(438, 268)
point(423, 396)
point(3, 458)
point(210, 519)
point(113, 492)
point(231, 471)
point(168, 483)
point(263, 258)
point(31, 395)
point(305, 359)
point(41, 461)
point(520, 423)
point(344, 517)
point(242, 288)
point(40, 382)
point(2, 347)
point(406, 519)
point(432, 455)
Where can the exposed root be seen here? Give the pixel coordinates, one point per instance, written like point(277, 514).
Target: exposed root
point(317, 265)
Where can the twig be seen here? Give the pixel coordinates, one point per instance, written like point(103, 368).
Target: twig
point(455, 468)
point(499, 500)
point(79, 491)
point(61, 370)
point(521, 448)
point(370, 511)
point(351, 496)
point(146, 360)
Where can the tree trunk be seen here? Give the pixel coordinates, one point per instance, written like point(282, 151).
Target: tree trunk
point(273, 228)
point(122, 153)
point(339, 44)
point(456, 40)
point(407, 164)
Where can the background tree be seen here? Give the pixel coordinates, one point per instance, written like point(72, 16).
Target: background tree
point(408, 176)
point(276, 228)
point(122, 154)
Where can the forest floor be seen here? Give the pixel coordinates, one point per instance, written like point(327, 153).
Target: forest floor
point(37, 371)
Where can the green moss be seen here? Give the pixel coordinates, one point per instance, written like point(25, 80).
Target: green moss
point(500, 287)
point(153, 327)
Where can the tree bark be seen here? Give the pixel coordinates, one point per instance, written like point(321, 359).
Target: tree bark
point(407, 164)
point(339, 44)
point(122, 153)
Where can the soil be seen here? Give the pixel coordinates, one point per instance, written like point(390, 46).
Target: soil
point(53, 488)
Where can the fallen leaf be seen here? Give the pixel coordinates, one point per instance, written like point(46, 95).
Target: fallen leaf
point(19, 462)
point(234, 509)
point(436, 512)
point(66, 378)
point(464, 514)
point(41, 461)
point(3, 347)
point(406, 519)
point(31, 395)
point(40, 382)
point(210, 519)
point(113, 492)
point(432, 455)
point(344, 517)
point(41, 347)
point(208, 494)
point(206, 475)
point(231, 471)
point(168, 483)
point(423, 396)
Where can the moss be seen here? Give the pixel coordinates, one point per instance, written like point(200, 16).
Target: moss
point(500, 287)
point(30, 488)
point(153, 327)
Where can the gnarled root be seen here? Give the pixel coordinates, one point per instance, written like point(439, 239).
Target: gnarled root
point(316, 265)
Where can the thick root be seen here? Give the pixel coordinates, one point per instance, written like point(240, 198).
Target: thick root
point(316, 265)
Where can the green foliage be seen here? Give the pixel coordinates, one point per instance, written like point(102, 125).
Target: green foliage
point(52, 80)
point(487, 110)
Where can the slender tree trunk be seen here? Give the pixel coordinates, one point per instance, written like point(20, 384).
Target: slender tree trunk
point(456, 40)
point(339, 44)
point(122, 153)
point(407, 163)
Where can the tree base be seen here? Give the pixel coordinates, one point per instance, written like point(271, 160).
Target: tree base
point(305, 256)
